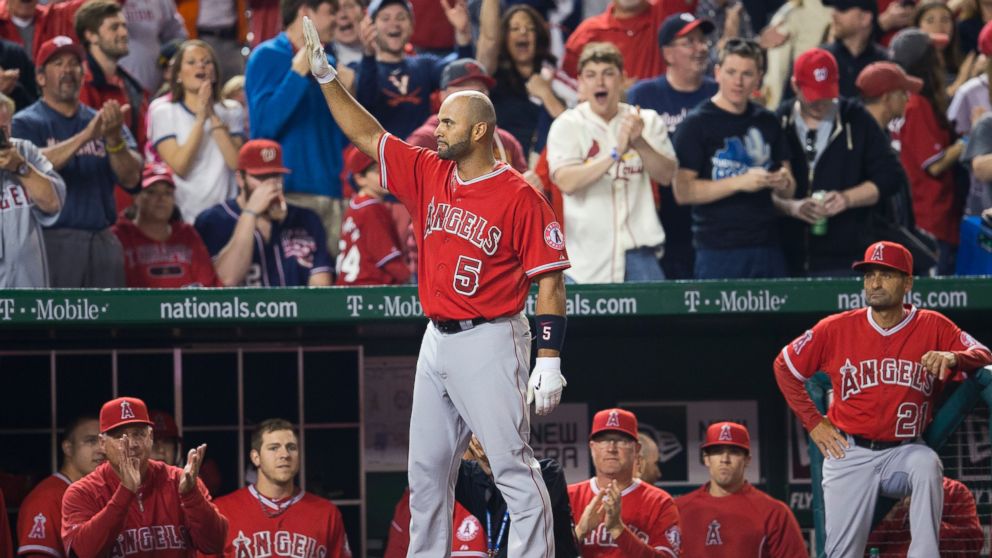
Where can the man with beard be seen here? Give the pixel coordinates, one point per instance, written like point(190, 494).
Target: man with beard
point(257, 239)
point(888, 364)
point(93, 150)
point(274, 511)
point(39, 521)
point(729, 517)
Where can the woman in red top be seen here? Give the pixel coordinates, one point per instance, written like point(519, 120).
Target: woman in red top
point(928, 152)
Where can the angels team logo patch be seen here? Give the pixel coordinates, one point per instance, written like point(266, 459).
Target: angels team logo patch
point(713, 534)
point(126, 412)
point(468, 529)
point(725, 435)
point(878, 253)
point(38, 529)
point(798, 344)
point(968, 341)
point(613, 420)
point(553, 236)
point(674, 537)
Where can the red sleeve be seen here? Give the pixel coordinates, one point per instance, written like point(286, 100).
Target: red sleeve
point(537, 237)
point(89, 530)
point(402, 167)
point(39, 535)
point(960, 531)
point(665, 530)
point(399, 529)
point(203, 266)
point(6, 542)
point(337, 541)
point(970, 353)
point(207, 527)
point(785, 540)
point(382, 242)
point(60, 20)
point(917, 137)
point(573, 48)
point(795, 363)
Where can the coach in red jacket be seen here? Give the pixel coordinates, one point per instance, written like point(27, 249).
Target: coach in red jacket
point(133, 506)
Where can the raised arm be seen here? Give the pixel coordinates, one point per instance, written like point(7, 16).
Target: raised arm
point(487, 46)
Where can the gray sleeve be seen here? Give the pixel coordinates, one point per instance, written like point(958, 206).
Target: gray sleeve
point(980, 141)
point(34, 158)
point(173, 26)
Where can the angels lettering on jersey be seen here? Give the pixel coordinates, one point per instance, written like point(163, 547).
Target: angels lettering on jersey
point(13, 197)
point(600, 536)
point(263, 544)
point(441, 217)
point(149, 539)
point(740, 154)
point(859, 376)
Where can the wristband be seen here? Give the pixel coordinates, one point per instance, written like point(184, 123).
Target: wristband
point(117, 148)
point(251, 212)
point(614, 154)
point(550, 331)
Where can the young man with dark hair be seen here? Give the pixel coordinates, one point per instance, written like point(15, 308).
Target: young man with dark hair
point(274, 511)
point(733, 158)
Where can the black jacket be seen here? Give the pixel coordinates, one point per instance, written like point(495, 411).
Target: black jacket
point(478, 493)
point(14, 57)
point(858, 150)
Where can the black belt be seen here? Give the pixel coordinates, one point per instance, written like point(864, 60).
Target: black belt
point(876, 445)
point(457, 326)
point(220, 33)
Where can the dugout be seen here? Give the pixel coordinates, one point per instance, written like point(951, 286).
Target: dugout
point(338, 362)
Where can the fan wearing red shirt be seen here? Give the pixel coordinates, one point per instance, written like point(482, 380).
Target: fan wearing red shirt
point(135, 506)
point(39, 520)
point(727, 517)
point(616, 515)
point(161, 251)
point(469, 540)
point(274, 517)
point(369, 249)
point(887, 364)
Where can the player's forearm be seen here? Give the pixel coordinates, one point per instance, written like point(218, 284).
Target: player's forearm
point(974, 358)
point(207, 527)
point(550, 300)
point(89, 536)
point(233, 261)
point(631, 546)
point(795, 395)
point(579, 176)
point(689, 190)
point(360, 127)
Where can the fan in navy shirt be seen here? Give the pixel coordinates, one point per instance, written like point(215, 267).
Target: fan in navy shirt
point(729, 151)
point(394, 87)
point(92, 150)
point(682, 87)
point(257, 239)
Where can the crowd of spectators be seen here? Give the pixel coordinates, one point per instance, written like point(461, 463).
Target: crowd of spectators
point(676, 139)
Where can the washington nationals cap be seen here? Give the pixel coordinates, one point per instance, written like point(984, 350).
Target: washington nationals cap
point(261, 156)
point(57, 45)
point(879, 78)
point(888, 254)
point(465, 69)
point(156, 172)
point(356, 162)
point(164, 426)
point(816, 75)
point(727, 434)
point(377, 5)
point(121, 411)
point(614, 420)
point(680, 25)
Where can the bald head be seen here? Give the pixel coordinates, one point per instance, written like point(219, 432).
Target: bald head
point(458, 118)
point(472, 105)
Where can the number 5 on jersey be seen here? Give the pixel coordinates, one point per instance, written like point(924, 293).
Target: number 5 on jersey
point(466, 280)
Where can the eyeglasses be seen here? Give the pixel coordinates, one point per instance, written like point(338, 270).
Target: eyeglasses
point(140, 434)
point(622, 443)
point(810, 147)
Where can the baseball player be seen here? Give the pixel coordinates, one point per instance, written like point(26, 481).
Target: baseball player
point(369, 252)
point(39, 521)
point(727, 517)
point(484, 235)
point(469, 540)
point(273, 517)
point(886, 363)
point(617, 515)
point(135, 506)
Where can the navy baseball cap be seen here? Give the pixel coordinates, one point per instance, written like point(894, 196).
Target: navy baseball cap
point(844, 5)
point(377, 5)
point(680, 25)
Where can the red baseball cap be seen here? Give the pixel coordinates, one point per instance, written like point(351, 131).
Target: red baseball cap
point(57, 45)
point(356, 162)
point(164, 426)
point(614, 420)
point(156, 172)
point(727, 434)
point(121, 411)
point(879, 78)
point(816, 75)
point(985, 40)
point(888, 254)
point(261, 156)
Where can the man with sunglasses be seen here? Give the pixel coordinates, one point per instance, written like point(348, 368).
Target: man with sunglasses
point(615, 514)
point(134, 506)
point(843, 166)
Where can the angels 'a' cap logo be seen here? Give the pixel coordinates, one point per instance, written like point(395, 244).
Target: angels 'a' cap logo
point(126, 411)
point(878, 253)
point(820, 74)
point(268, 154)
point(725, 435)
point(614, 419)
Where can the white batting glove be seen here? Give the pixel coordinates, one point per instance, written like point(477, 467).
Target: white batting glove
point(545, 385)
point(319, 66)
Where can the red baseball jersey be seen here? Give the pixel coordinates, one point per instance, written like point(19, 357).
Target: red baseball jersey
point(881, 391)
point(649, 513)
point(369, 252)
point(6, 544)
point(480, 241)
point(468, 537)
point(301, 526)
point(181, 261)
point(102, 518)
point(961, 532)
point(746, 524)
point(39, 521)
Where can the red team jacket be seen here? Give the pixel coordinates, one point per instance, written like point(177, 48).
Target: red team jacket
point(468, 537)
point(881, 391)
point(747, 524)
point(6, 544)
point(370, 250)
point(649, 513)
point(181, 261)
point(480, 241)
point(39, 521)
point(301, 526)
point(102, 518)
